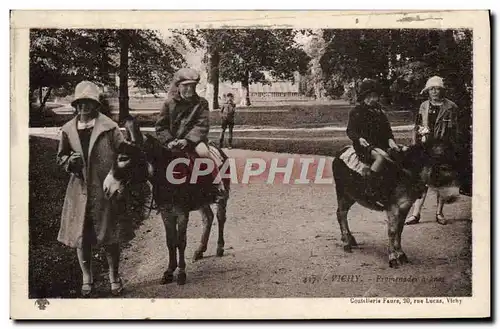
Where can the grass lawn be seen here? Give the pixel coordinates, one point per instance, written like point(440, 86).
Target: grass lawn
point(54, 271)
point(53, 268)
point(284, 143)
point(285, 116)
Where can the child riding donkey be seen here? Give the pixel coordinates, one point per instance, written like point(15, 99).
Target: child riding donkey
point(183, 123)
point(371, 135)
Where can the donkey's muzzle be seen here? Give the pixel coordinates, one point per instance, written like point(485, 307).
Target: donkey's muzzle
point(449, 194)
point(111, 187)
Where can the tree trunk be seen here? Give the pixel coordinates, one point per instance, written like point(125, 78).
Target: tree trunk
point(212, 92)
point(123, 89)
point(355, 92)
point(43, 99)
point(317, 90)
point(245, 91)
point(40, 95)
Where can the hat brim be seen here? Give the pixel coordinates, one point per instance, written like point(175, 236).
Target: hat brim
point(188, 82)
point(76, 101)
point(427, 88)
point(362, 96)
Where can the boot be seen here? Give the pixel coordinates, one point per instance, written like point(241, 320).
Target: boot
point(221, 141)
point(221, 191)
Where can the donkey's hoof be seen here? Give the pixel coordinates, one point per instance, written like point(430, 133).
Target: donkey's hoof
point(168, 277)
point(220, 252)
point(352, 241)
point(347, 248)
point(393, 263)
point(197, 256)
point(403, 259)
point(181, 279)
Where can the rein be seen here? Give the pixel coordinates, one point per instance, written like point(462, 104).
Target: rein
point(405, 171)
point(397, 165)
point(128, 181)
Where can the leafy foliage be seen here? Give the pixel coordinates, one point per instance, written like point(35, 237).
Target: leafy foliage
point(63, 57)
point(402, 60)
point(152, 61)
point(254, 51)
point(243, 55)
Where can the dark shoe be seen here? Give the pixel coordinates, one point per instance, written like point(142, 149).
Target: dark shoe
point(441, 219)
point(221, 192)
point(87, 290)
point(117, 287)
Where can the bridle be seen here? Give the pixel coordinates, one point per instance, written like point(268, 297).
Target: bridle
point(128, 181)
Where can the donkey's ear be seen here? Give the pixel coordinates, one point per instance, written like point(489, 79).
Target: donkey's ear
point(124, 147)
point(134, 129)
point(150, 138)
point(127, 147)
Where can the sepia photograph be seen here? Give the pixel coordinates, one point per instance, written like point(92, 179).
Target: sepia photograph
point(267, 165)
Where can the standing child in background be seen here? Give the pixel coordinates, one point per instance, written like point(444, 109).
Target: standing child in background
point(227, 112)
point(87, 149)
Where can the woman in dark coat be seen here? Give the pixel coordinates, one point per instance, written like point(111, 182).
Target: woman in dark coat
point(437, 118)
point(370, 132)
point(87, 150)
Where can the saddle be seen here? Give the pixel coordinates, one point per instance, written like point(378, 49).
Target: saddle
point(181, 170)
point(352, 161)
point(190, 194)
point(349, 156)
point(185, 170)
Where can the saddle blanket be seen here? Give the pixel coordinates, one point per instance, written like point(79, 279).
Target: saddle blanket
point(214, 151)
point(181, 171)
point(352, 160)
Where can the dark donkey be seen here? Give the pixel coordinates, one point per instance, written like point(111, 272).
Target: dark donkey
point(144, 158)
point(405, 177)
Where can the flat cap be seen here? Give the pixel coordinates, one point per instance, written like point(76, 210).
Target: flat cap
point(185, 76)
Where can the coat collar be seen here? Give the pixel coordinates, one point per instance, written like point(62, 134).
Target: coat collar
point(102, 124)
point(447, 106)
point(175, 96)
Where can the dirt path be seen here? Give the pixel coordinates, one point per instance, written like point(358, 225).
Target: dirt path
point(284, 241)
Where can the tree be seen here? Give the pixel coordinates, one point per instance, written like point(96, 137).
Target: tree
point(242, 55)
point(144, 58)
point(153, 62)
point(255, 51)
point(352, 55)
point(314, 79)
point(64, 57)
point(401, 59)
point(215, 42)
point(447, 53)
point(124, 37)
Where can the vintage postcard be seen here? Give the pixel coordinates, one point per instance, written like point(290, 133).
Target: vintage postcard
point(250, 164)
